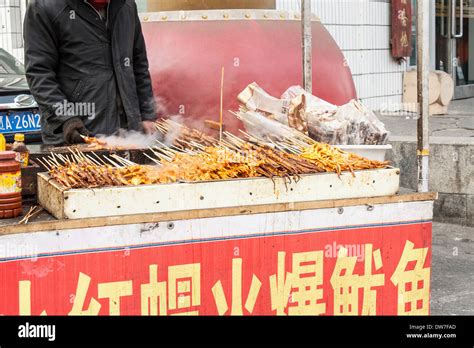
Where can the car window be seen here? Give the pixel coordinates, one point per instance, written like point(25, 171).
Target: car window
point(9, 65)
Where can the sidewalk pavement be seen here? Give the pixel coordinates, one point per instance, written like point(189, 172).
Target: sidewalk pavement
point(451, 171)
point(452, 276)
point(459, 122)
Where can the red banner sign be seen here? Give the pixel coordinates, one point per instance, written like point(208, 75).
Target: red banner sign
point(378, 270)
point(401, 28)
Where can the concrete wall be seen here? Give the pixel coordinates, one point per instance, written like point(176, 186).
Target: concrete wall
point(451, 174)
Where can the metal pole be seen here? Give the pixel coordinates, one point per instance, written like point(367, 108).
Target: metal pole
point(307, 45)
point(423, 49)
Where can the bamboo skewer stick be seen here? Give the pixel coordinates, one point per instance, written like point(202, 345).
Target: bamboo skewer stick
point(122, 160)
point(74, 155)
point(192, 144)
point(44, 164)
point(99, 159)
point(161, 156)
point(221, 116)
point(113, 163)
point(64, 158)
point(166, 153)
point(93, 160)
point(53, 158)
point(197, 145)
point(165, 146)
point(154, 160)
point(32, 212)
point(26, 217)
point(52, 165)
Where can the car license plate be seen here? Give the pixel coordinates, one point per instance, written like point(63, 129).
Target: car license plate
point(19, 122)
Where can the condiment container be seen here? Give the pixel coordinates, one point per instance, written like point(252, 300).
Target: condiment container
point(3, 142)
point(22, 153)
point(10, 186)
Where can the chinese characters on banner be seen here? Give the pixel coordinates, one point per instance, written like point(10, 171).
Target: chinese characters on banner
point(387, 273)
point(401, 28)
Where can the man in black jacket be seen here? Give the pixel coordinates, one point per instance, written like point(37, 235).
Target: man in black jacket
point(87, 68)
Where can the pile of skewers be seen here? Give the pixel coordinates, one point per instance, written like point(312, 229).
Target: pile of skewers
point(329, 158)
point(183, 137)
point(193, 156)
point(294, 154)
point(237, 159)
point(80, 170)
point(252, 159)
point(333, 159)
point(210, 163)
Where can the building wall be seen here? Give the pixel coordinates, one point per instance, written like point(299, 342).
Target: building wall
point(362, 30)
point(142, 5)
point(11, 18)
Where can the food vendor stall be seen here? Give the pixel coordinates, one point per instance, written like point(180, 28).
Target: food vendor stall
point(316, 257)
point(243, 225)
point(209, 233)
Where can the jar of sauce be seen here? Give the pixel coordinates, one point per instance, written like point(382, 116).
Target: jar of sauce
point(10, 186)
point(22, 153)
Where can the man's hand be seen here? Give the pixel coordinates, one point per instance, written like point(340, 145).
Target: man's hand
point(73, 129)
point(149, 127)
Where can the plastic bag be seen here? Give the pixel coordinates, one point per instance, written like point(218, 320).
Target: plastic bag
point(313, 103)
point(255, 98)
point(261, 127)
point(327, 128)
point(364, 128)
point(350, 124)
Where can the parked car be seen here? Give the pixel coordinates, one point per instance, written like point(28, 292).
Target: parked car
point(19, 111)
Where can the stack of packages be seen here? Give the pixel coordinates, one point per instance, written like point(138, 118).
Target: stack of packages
point(350, 124)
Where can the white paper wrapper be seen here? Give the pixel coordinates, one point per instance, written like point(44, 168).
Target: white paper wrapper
point(350, 124)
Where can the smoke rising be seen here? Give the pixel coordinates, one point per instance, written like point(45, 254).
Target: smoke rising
point(130, 139)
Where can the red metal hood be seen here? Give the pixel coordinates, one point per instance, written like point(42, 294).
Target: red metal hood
point(187, 50)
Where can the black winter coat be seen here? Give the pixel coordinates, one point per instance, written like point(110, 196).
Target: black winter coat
point(76, 63)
